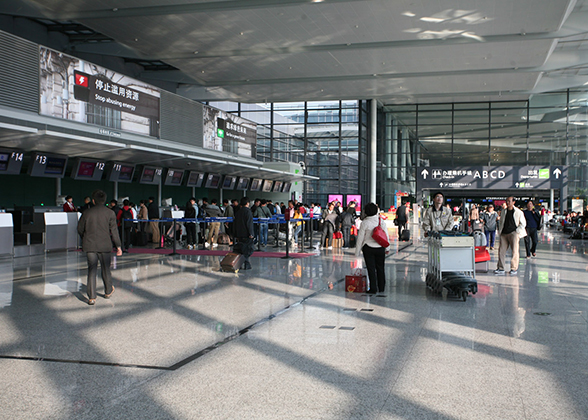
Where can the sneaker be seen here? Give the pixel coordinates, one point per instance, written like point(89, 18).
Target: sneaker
point(190, 247)
point(330, 247)
point(206, 245)
point(345, 247)
point(214, 245)
point(499, 272)
point(513, 272)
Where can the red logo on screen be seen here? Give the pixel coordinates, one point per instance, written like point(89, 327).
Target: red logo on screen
point(81, 80)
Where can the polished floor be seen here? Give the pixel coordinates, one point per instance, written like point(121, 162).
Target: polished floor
point(181, 340)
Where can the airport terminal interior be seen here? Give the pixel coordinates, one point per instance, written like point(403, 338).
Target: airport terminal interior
point(309, 102)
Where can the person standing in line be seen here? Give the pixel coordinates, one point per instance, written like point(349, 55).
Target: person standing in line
point(437, 217)
point(68, 206)
point(114, 206)
point(402, 217)
point(262, 212)
point(229, 212)
point(490, 219)
point(533, 219)
point(329, 223)
point(143, 214)
point(125, 226)
point(98, 230)
point(511, 229)
point(190, 213)
point(243, 228)
point(374, 254)
point(212, 210)
point(153, 214)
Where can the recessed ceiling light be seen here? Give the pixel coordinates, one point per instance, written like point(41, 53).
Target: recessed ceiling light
point(408, 14)
point(242, 33)
point(357, 26)
point(195, 52)
point(115, 9)
point(136, 39)
point(202, 71)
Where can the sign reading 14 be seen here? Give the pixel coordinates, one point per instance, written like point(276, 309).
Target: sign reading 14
point(16, 156)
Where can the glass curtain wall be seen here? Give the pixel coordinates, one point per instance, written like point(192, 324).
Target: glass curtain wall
point(330, 137)
point(547, 129)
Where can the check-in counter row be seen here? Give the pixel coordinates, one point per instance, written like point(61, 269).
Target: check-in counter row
point(58, 233)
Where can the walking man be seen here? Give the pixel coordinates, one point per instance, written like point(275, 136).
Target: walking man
point(153, 214)
point(533, 219)
point(402, 217)
point(244, 233)
point(96, 227)
point(511, 229)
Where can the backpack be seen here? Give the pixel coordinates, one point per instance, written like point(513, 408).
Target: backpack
point(126, 214)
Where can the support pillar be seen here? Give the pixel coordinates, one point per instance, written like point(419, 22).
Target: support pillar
point(373, 150)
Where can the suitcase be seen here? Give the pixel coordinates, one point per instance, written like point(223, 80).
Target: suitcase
point(140, 238)
point(223, 239)
point(232, 262)
point(405, 235)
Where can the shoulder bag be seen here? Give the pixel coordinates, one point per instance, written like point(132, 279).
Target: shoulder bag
point(380, 236)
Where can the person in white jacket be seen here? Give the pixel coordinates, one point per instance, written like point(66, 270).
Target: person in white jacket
point(374, 254)
point(511, 228)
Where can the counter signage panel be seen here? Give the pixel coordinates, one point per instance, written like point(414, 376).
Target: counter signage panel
point(278, 185)
point(229, 182)
point(174, 177)
point(267, 185)
point(47, 165)
point(286, 187)
point(243, 184)
point(256, 184)
point(212, 181)
point(151, 175)
point(11, 162)
point(196, 179)
point(88, 169)
point(121, 172)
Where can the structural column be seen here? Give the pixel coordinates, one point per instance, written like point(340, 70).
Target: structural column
point(373, 150)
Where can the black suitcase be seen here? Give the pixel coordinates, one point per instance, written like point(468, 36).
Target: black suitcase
point(140, 238)
point(405, 235)
point(232, 262)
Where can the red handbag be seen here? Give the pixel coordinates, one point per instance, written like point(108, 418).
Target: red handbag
point(380, 236)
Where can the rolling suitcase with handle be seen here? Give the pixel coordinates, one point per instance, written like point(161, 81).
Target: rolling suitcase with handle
point(232, 262)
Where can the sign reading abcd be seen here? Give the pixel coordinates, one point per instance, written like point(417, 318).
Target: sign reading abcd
point(491, 177)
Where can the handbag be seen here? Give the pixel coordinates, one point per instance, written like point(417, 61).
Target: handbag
point(356, 282)
point(396, 222)
point(380, 236)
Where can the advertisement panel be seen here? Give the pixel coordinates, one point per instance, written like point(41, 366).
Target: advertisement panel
point(76, 90)
point(229, 133)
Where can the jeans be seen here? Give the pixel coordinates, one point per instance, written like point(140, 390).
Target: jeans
point(531, 241)
point(328, 230)
point(93, 258)
point(346, 231)
point(374, 263)
point(263, 234)
point(490, 237)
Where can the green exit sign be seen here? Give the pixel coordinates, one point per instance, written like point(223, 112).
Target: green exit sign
point(220, 133)
point(544, 173)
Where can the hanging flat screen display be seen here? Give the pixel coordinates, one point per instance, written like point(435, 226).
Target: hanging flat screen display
point(212, 181)
point(286, 187)
point(195, 179)
point(150, 175)
point(88, 169)
point(120, 172)
point(243, 184)
point(278, 185)
point(229, 182)
point(267, 185)
point(174, 177)
point(47, 165)
point(256, 184)
point(11, 162)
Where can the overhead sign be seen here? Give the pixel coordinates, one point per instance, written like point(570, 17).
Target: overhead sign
point(491, 177)
point(229, 133)
point(77, 90)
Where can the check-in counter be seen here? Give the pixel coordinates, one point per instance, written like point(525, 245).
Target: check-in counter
point(73, 239)
point(6, 234)
point(56, 227)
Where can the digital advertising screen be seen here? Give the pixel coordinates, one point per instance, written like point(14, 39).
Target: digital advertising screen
point(335, 197)
point(356, 198)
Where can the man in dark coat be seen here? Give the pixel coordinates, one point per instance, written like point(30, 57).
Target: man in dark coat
point(153, 214)
point(98, 230)
point(244, 234)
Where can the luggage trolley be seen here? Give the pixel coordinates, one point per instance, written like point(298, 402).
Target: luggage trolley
point(452, 263)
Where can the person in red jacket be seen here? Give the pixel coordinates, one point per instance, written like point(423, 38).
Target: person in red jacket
point(68, 205)
point(125, 226)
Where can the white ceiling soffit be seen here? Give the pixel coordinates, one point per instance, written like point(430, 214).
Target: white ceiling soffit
point(277, 50)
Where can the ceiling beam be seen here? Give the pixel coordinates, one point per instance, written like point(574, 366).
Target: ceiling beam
point(189, 8)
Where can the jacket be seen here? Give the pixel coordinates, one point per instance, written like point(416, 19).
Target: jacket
point(430, 219)
point(490, 220)
point(153, 211)
point(243, 223)
point(212, 210)
point(98, 230)
point(519, 219)
point(143, 214)
point(364, 235)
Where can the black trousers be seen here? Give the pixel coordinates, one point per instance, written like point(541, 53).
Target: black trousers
point(93, 258)
point(401, 227)
point(374, 263)
point(531, 241)
point(191, 233)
